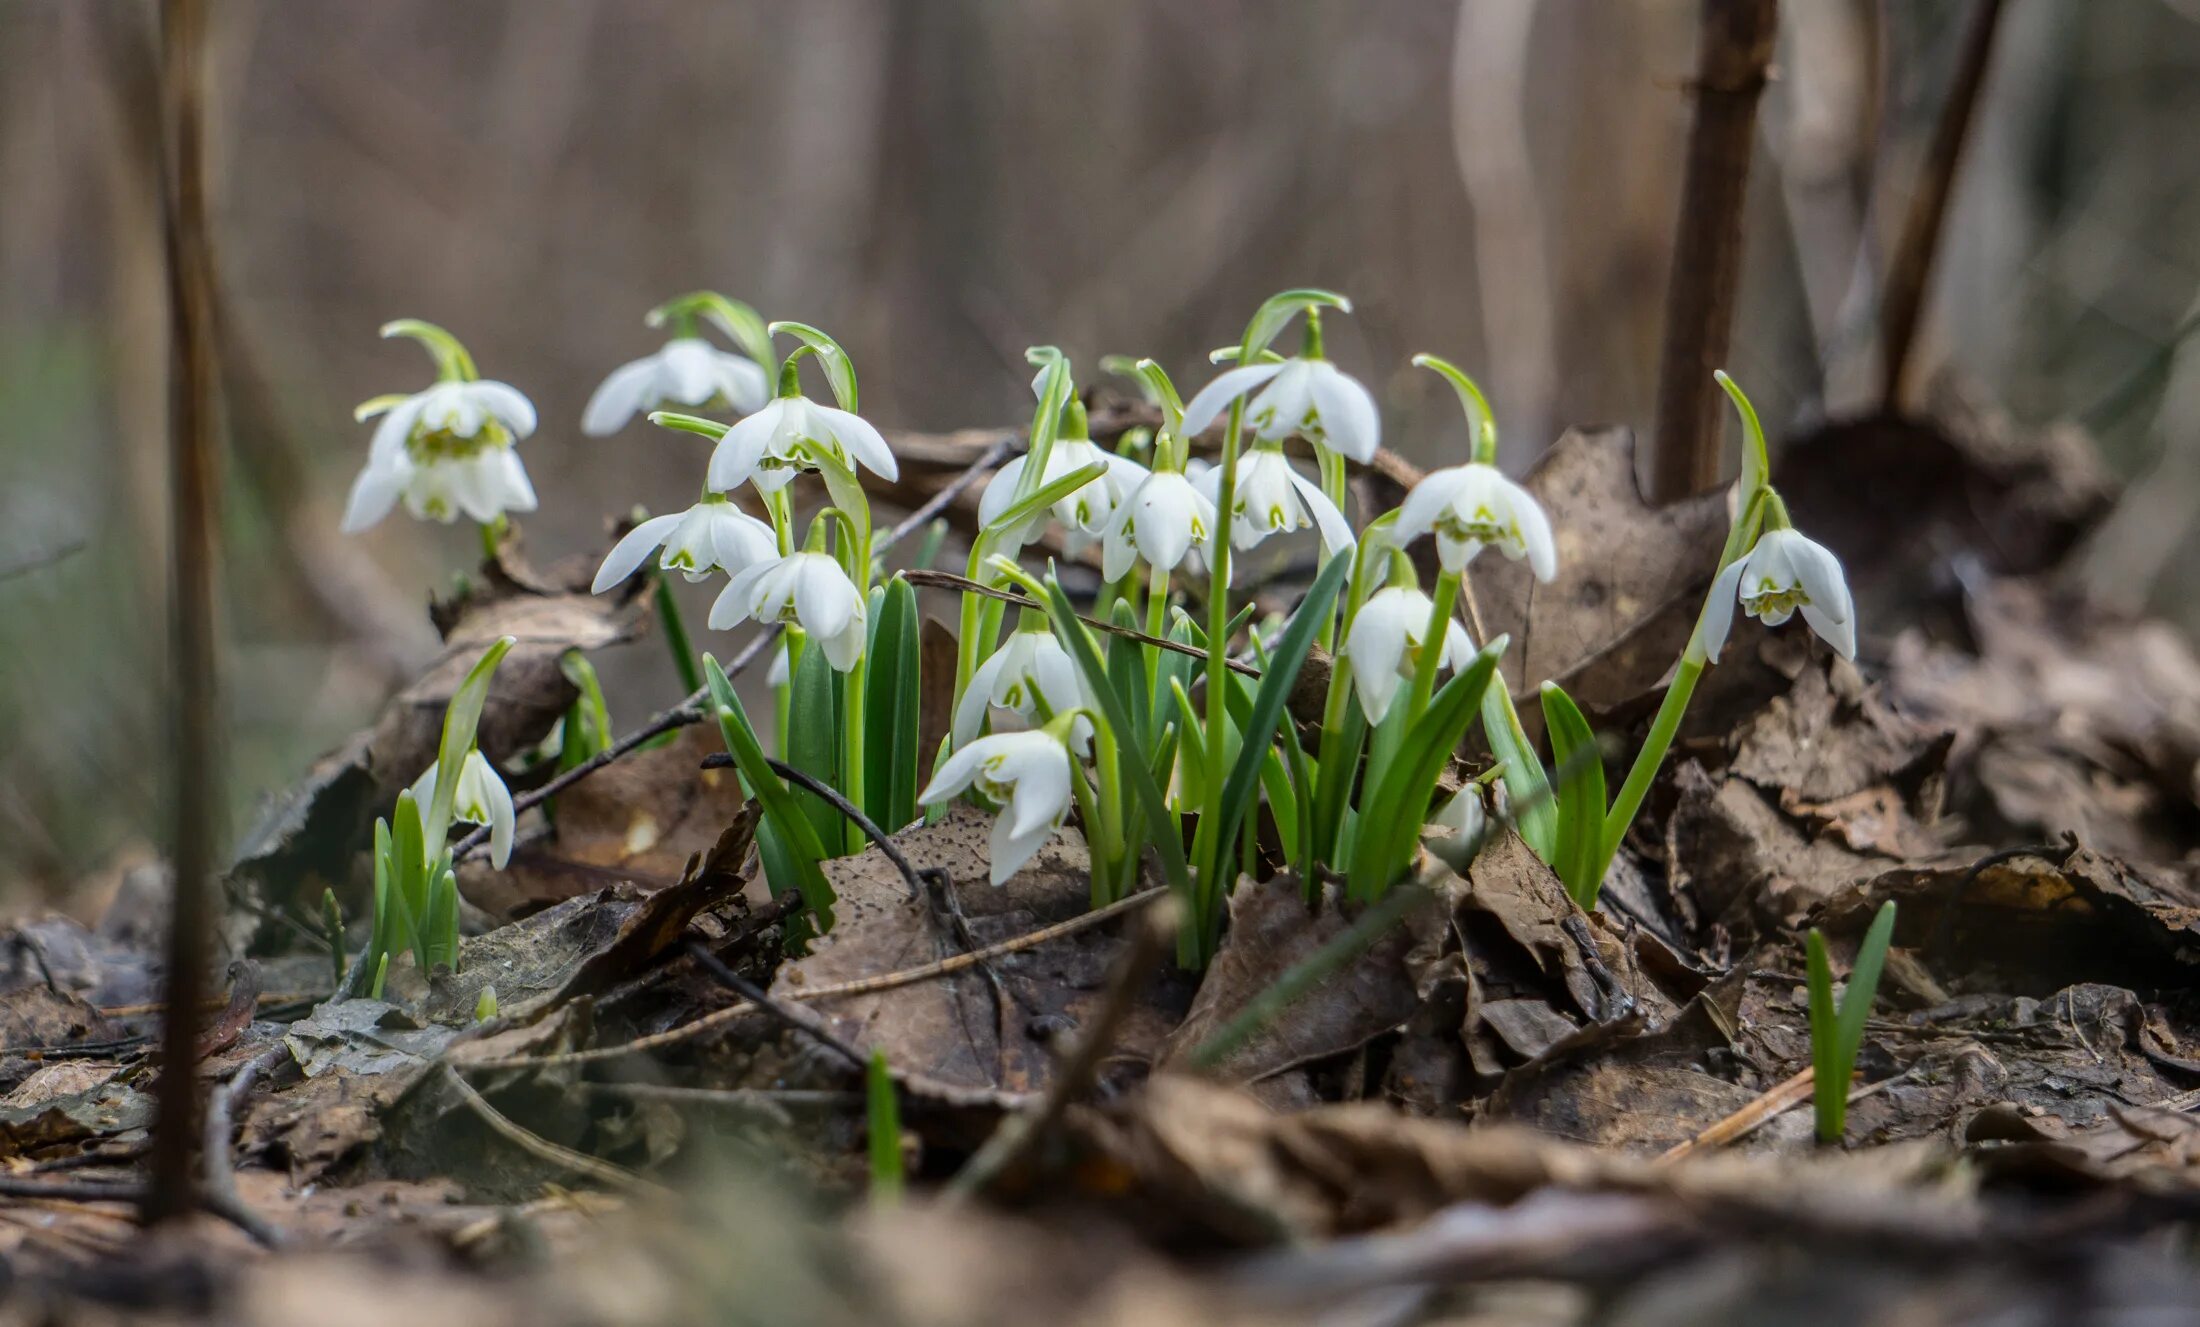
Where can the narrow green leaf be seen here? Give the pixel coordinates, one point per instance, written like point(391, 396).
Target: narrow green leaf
point(885, 1132)
point(796, 840)
point(1829, 1094)
point(1078, 641)
point(1391, 830)
point(1045, 496)
point(1276, 682)
point(1525, 782)
point(1856, 1001)
point(1192, 755)
point(409, 879)
point(1279, 309)
point(1580, 796)
point(460, 718)
point(814, 742)
point(890, 705)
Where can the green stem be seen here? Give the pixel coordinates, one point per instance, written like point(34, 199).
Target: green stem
point(492, 534)
point(1432, 645)
point(1647, 761)
point(1211, 884)
point(676, 638)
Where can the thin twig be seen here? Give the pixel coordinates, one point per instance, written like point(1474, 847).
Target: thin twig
point(815, 1026)
point(1733, 55)
point(580, 1163)
point(1017, 1134)
point(195, 700)
point(911, 874)
point(888, 981)
point(221, 1176)
point(1911, 271)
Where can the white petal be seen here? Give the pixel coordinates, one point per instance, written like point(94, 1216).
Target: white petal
point(743, 381)
point(1718, 610)
point(734, 460)
point(1011, 850)
point(515, 493)
point(1041, 798)
point(1840, 633)
point(1117, 553)
point(1820, 574)
point(1427, 502)
point(685, 371)
point(1376, 688)
point(1336, 531)
point(506, 403)
point(824, 598)
point(846, 646)
point(1000, 492)
point(970, 709)
point(631, 549)
point(396, 426)
point(739, 539)
point(620, 396)
point(859, 439)
point(737, 602)
point(954, 775)
point(1347, 411)
point(374, 492)
point(502, 819)
point(1535, 532)
point(1212, 399)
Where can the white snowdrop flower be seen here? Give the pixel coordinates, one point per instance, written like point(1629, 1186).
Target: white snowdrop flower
point(1386, 636)
point(446, 451)
point(1782, 573)
point(1473, 506)
point(481, 486)
point(1457, 827)
point(1312, 397)
point(712, 535)
point(1029, 774)
point(1084, 511)
point(1272, 498)
point(1162, 520)
point(449, 419)
point(687, 371)
point(808, 590)
point(481, 799)
point(765, 448)
point(1029, 667)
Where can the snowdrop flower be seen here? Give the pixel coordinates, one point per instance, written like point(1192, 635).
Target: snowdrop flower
point(1084, 512)
point(712, 535)
point(765, 447)
point(1162, 520)
point(1474, 506)
point(1386, 636)
point(482, 799)
point(1030, 667)
point(481, 486)
point(687, 371)
point(1271, 498)
point(447, 448)
point(1783, 572)
point(1456, 828)
point(1029, 774)
point(807, 589)
point(1303, 396)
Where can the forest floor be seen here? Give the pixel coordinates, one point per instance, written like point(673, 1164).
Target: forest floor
point(1497, 1109)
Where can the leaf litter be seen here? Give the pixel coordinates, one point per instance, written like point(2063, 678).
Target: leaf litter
point(1465, 1120)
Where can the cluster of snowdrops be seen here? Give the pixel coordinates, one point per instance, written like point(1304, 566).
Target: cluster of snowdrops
point(1158, 707)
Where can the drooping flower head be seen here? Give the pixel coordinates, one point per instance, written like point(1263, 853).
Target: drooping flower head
point(1272, 498)
point(1782, 574)
point(1165, 518)
point(1084, 511)
point(807, 589)
point(1386, 637)
point(1030, 667)
point(712, 535)
point(773, 445)
point(1474, 506)
point(1029, 774)
point(1306, 397)
point(447, 450)
point(688, 370)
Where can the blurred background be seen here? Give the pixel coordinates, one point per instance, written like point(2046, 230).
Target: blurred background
point(940, 185)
